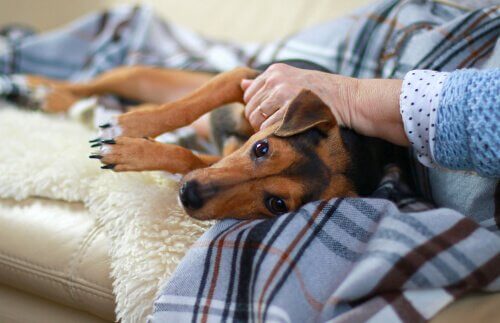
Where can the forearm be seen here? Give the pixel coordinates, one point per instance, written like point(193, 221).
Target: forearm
point(375, 110)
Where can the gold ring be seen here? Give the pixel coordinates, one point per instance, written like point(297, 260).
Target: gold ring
point(263, 114)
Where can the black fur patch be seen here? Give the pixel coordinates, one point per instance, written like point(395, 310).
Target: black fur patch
point(310, 169)
point(368, 157)
point(223, 124)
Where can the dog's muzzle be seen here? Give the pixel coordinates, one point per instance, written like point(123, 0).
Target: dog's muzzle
point(190, 196)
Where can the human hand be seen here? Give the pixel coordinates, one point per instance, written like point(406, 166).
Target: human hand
point(268, 94)
point(369, 106)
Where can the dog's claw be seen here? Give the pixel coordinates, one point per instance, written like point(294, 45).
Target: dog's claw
point(105, 125)
point(96, 145)
point(109, 166)
point(95, 140)
point(95, 156)
point(109, 141)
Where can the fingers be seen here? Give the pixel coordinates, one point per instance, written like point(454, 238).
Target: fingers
point(245, 84)
point(276, 117)
point(253, 106)
point(254, 90)
point(266, 95)
point(266, 109)
point(270, 106)
point(254, 87)
point(261, 99)
point(257, 118)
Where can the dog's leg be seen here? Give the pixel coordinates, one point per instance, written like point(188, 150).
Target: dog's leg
point(139, 154)
point(222, 89)
point(141, 83)
point(126, 154)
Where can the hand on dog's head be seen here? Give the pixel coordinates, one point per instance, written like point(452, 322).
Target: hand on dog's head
point(304, 112)
point(279, 169)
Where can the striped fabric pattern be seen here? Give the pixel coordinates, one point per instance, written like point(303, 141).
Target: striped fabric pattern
point(386, 39)
point(343, 260)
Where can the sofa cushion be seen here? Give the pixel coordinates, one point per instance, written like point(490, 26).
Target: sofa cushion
point(56, 250)
point(18, 306)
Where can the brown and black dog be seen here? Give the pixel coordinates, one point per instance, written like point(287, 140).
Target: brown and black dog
point(303, 158)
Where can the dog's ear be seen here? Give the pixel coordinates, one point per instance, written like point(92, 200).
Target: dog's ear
point(304, 112)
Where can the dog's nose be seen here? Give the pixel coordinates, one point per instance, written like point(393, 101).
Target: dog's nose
point(189, 194)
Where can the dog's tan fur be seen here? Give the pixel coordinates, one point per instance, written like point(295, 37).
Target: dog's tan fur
point(236, 184)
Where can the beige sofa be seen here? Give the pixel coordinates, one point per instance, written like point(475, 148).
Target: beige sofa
point(54, 264)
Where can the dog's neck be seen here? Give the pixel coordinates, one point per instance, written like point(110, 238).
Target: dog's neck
point(368, 157)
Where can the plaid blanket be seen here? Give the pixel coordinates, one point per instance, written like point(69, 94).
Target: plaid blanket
point(383, 259)
point(385, 39)
point(345, 260)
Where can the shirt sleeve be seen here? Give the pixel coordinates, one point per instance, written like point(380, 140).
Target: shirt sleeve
point(467, 133)
point(419, 102)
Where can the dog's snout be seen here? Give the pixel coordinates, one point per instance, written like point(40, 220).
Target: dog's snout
point(190, 196)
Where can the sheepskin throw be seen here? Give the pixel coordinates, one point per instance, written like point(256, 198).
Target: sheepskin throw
point(46, 156)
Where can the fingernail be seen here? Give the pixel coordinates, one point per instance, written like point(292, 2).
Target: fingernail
point(96, 145)
point(109, 166)
point(105, 125)
point(109, 141)
point(95, 140)
point(95, 156)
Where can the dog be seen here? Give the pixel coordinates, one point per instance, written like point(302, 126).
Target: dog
point(305, 157)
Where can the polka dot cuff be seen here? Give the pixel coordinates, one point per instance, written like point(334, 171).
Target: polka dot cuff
point(418, 104)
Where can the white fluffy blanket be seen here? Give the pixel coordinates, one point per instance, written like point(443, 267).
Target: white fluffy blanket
point(47, 156)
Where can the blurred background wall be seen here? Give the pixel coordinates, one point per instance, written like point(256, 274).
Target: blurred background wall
point(249, 20)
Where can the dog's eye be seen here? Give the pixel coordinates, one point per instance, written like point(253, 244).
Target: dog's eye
point(276, 205)
point(261, 148)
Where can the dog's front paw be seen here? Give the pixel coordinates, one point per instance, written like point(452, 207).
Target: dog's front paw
point(130, 154)
point(109, 130)
point(136, 124)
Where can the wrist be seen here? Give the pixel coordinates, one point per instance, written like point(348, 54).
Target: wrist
point(343, 94)
point(376, 110)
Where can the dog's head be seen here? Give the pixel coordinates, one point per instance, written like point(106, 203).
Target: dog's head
point(279, 169)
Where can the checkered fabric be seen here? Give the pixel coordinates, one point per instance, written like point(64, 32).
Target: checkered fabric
point(386, 39)
point(344, 260)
